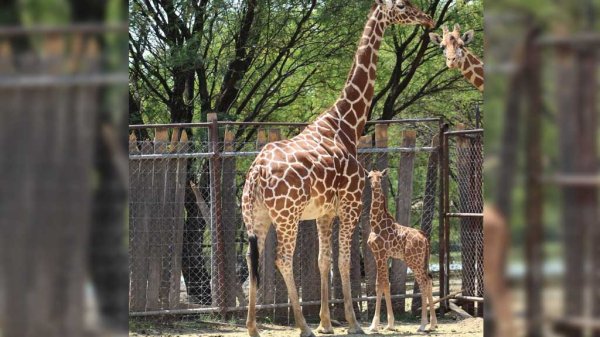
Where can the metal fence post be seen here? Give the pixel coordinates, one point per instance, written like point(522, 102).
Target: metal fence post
point(443, 195)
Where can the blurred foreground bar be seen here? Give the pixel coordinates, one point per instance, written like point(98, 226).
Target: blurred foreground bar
point(543, 67)
point(63, 262)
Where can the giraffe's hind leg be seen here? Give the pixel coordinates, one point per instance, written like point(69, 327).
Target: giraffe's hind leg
point(423, 281)
point(260, 231)
point(432, 316)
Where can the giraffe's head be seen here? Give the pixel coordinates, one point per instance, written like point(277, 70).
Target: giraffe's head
point(404, 12)
point(376, 177)
point(452, 43)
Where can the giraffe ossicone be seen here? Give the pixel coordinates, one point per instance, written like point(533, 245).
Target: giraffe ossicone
point(389, 239)
point(316, 175)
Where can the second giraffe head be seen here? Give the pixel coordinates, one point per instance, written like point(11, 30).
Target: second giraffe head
point(452, 43)
point(404, 12)
point(376, 177)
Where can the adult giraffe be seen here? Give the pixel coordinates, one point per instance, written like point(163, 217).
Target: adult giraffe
point(459, 57)
point(316, 175)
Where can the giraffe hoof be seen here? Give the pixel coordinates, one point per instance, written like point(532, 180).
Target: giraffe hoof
point(355, 331)
point(421, 329)
point(307, 334)
point(253, 333)
point(325, 330)
point(389, 328)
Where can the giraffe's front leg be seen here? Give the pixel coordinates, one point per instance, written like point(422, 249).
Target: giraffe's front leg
point(388, 302)
point(349, 215)
point(380, 286)
point(286, 243)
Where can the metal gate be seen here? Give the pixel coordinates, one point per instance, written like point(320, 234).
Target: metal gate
point(461, 246)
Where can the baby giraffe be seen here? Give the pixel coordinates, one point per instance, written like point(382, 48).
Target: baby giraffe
point(389, 239)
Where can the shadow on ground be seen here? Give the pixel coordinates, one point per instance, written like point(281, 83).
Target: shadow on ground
point(446, 327)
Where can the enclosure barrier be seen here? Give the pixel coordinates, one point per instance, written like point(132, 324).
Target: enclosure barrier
point(187, 240)
point(463, 165)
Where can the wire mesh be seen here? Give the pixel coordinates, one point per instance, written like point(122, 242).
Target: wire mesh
point(185, 188)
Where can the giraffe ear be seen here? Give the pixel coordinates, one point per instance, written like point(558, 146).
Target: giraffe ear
point(468, 37)
point(435, 38)
point(384, 3)
point(384, 172)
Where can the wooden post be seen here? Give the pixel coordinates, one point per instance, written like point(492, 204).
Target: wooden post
point(181, 186)
point(155, 238)
point(231, 220)
point(534, 231)
point(588, 196)
point(218, 254)
point(381, 163)
point(429, 198)
point(138, 226)
point(403, 209)
point(365, 226)
point(307, 252)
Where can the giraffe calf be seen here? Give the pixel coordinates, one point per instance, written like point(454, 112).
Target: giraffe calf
point(389, 239)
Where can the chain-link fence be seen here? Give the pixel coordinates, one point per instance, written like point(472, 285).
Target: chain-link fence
point(188, 241)
point(463, 219)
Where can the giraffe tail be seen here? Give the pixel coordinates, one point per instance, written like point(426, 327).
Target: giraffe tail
point(253, 241)
point(427, 254)
point(253, 252)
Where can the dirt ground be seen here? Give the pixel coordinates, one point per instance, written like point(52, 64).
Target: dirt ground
point(446, 327)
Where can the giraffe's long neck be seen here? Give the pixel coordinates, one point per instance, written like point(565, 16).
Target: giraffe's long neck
point(472, 69)
point(379, 210)
point(349, 114)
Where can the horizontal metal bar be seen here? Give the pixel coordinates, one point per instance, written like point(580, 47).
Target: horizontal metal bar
point(156, 156)
point(573, 180)
point(259, 306)
point(87, 28)
point(169, 126)
point(464, 215)
point(463, 132)
point(226, 123)
point(469, 298)
point(575, 322)
point(581, 39)
point(404, 121)
point(398, 149)
point(44, 81)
